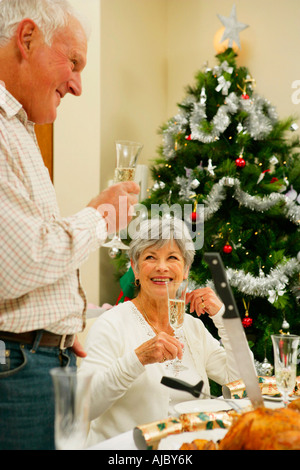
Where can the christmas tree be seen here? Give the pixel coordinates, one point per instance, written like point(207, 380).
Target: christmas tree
point(227, 150)
point(228, 155)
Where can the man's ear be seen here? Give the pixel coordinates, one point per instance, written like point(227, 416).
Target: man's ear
point(27, 32)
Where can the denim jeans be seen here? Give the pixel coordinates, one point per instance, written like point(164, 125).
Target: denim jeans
point(27, 396)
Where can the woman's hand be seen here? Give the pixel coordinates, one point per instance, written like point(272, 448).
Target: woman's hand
point(161, 348)
point(204, 300)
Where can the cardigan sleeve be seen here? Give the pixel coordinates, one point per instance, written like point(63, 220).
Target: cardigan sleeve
point(114, 369)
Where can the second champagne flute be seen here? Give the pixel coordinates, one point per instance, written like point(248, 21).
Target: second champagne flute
point(285, 349)
point(176, 307)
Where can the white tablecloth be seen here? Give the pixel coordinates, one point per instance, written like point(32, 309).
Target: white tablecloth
point(121, 442)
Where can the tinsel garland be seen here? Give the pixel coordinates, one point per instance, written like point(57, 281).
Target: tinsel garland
point(177, 125)
point(256, 203)
point(261, 116)
point(220, 121)
point(265, 285)
point(269, 285)
point(217, 195)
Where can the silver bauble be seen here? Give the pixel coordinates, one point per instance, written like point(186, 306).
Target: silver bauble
point(113, 252)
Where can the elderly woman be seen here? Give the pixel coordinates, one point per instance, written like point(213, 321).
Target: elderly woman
point(128, 346)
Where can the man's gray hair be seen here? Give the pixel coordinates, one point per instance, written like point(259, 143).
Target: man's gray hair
point(158, 232)
point(49, 15)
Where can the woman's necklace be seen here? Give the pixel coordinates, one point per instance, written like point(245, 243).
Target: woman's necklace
point(147, 319)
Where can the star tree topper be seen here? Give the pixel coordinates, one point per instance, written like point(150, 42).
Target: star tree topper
point(232, 28)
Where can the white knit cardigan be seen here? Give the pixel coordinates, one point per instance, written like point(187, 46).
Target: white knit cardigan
point(124, 392)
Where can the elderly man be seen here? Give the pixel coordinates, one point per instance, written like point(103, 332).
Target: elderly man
point(43, 48)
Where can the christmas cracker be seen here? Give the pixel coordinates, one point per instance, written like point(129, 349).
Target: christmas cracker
point(267, 385)
point(148, 436)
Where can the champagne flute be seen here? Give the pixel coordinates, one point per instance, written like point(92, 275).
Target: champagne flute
point(176, 308)
point(285, 348)
point(127, 153)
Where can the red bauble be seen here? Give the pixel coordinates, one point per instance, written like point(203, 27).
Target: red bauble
point(247, 321)
point(240, 162)
point(245, 96)
point(194, 217)
point(227, 248)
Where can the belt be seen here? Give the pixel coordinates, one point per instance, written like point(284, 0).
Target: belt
point(47, 339)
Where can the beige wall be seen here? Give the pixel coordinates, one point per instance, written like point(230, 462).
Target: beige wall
point(133, 90)
point(143, 53)
point(77, 144)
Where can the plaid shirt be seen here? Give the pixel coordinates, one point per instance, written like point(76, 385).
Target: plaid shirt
point(40, 252)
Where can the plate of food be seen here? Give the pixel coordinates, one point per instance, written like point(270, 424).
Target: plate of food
point(211, 405)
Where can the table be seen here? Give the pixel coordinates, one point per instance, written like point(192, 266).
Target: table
point(121, 442)
point(125, 440)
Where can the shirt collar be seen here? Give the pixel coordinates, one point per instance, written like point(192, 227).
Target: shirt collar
point(10, 105)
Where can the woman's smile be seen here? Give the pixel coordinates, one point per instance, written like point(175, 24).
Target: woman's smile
point(161, 280)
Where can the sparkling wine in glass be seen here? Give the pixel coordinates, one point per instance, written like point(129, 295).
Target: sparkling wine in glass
point(176, 308)
point(285, 348)
point(124, 174)
point(127, 153)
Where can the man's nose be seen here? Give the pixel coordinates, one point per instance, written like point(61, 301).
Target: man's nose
point(74, 84)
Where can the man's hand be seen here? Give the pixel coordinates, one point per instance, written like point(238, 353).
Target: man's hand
point(115, 204)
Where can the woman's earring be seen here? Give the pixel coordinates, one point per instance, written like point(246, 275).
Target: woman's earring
point(136, 282)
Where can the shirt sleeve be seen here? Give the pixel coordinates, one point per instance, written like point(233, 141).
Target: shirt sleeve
point(36, 251)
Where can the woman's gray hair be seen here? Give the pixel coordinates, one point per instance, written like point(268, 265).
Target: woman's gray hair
point(158, 232)
point(49, 15)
